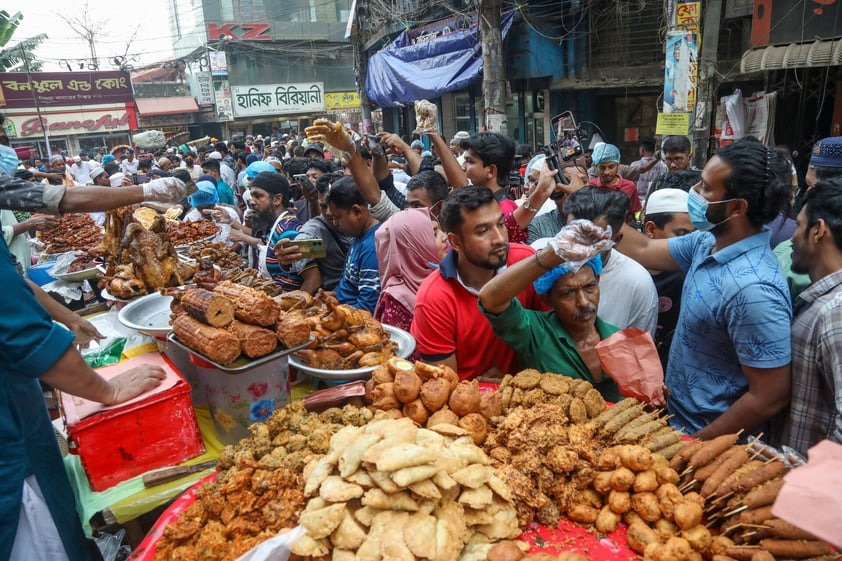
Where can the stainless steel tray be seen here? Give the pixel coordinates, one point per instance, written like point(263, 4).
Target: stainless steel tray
point(148, 314)
point(243, 363)
point(406, 346)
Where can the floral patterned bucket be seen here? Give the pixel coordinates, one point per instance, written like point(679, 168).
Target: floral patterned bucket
point(181, 360)
point(237, 399)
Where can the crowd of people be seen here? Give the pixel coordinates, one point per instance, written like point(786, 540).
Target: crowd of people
point(734, 269)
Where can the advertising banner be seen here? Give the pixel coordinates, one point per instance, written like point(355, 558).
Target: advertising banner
point(680, 72)
point(64, 124)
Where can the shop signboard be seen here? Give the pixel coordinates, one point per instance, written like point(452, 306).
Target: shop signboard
point(338, 101)
point(278, 99)
point(52, 89)
point(204, 87)
point(66, 124)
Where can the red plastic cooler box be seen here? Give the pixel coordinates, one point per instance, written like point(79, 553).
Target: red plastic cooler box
point(119, 443)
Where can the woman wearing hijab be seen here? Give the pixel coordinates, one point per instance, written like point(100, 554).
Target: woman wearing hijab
point(409, 247)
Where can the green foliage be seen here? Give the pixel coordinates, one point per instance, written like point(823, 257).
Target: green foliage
point(12, 58)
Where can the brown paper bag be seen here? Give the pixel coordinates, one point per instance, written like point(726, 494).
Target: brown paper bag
point(631, 359)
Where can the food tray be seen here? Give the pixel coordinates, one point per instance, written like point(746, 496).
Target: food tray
point(186, 246)
point(566, 536)
point(243, 363)
point(148, 314)
point(406, 346)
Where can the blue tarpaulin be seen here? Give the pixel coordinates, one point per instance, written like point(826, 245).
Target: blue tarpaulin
point(403, 73)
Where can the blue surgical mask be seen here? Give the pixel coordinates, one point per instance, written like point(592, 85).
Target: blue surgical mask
point(697, 206)
point(8, 160)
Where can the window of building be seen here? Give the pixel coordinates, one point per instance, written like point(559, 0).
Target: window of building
point(462, 111)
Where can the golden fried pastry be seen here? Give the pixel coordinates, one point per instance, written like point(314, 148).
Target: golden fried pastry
point(526, 379)
point(407, 386)
point(434, 393)
point(416, 411)
point(443, 416)
point(554, 384)
point(465, 398)
point(476, 425)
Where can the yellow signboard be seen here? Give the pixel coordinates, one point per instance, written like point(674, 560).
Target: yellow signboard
point(673, 123)
point(342, 100)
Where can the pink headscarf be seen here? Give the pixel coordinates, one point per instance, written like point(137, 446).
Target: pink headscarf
point(407, 254)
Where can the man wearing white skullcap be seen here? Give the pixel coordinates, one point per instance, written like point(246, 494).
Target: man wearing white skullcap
point(666, 216)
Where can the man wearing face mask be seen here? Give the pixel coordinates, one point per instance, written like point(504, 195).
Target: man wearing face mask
point(729, 363)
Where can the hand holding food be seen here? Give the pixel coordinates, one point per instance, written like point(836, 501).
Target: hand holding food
point(164, 190)
point(331, 133)
point(427, 117)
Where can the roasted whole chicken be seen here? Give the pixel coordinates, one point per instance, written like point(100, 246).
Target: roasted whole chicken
point(134, 253)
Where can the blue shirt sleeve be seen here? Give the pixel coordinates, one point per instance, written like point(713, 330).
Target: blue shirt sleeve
point(682, 248)
point(369, 283)
point(388, 187)
point(31, 343)
point(758, 320)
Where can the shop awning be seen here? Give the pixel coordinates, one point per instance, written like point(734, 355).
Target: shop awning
point(795, 55)
point(166, 105)
point(405, 72)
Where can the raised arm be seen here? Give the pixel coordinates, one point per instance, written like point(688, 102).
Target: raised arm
point(452, 170)
point(652, 254)
point(496, 296)
point(396, 143)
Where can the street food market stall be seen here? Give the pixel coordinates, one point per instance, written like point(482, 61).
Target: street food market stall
point(409, 461)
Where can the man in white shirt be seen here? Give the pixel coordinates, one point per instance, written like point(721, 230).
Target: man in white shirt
point(81, 170)
point(129, 165)
point(225, 172)
point(628, 297)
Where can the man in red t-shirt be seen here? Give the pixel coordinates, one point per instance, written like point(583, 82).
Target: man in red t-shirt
point(448, 325)
point(606, 158)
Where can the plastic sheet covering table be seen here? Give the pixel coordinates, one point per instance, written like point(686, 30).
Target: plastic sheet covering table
point(129, 499)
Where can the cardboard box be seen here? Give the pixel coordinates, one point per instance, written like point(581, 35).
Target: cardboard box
point(120, 442)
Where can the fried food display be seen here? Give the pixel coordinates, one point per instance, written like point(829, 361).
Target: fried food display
point(219, 254)
point(259, 490)
point(74, 232)
point(346, 337)
point(183, 233)
point(393, 490)
point(577, 398)
point(229, 321)
point(432, 395)
point(87, 260)
point(251, 278)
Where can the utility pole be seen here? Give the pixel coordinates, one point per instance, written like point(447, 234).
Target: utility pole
point(493, 67)
point(41, 120)
point(706, 90)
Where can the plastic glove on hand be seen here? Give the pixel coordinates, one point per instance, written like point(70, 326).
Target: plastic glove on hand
point(330, 133)
point(164, 190)
point(580, 241)
point(427, 117)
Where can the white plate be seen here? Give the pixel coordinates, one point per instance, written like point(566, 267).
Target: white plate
point(148, 314)
point(406, 346)
point(78, 276)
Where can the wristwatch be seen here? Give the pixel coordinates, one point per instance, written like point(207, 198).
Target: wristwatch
point(528, 206)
